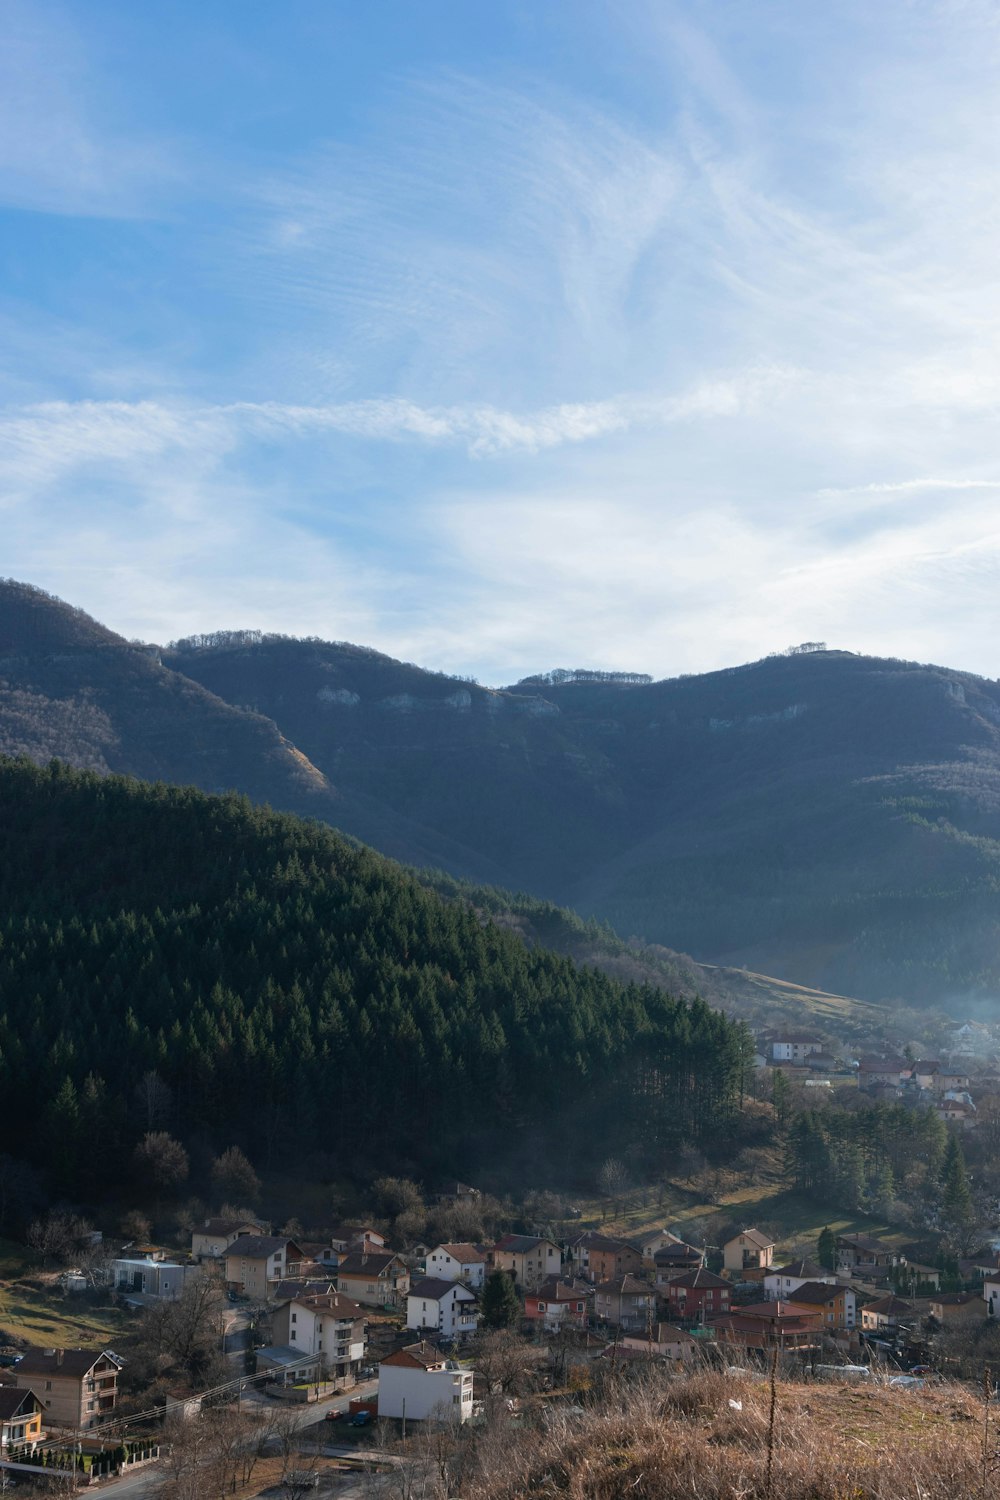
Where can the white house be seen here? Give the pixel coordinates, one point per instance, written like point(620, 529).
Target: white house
point(794, 1049)
point(464, 1262)
point(781, 1281)
point(330, 1325)
point(418, 1383)
point(448, 1308)
point(991, 1296)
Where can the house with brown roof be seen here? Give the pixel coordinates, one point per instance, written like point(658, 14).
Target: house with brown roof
point(837, 1306)
point(420, 1383)
point(560, 1304)
point(255, 1263)
point(663, 1341)
point(20, 1419)
point(885, 1314)
point(763, 1325)
point(748, 1251)
point(695, 1293)
point(626, 1301)
point(598, 1257)
point(77, 1387)
point(957, 1307)
point(860, 1253)
point(329, 1325)
point(375, 1278)
point(459, 1262)
point(882, 1072)
point(671, 1260)
point(529, 1258)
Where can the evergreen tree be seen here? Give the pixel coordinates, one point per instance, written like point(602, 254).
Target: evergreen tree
point(956, 1199)
point(501, 1307)
point(826, 1249)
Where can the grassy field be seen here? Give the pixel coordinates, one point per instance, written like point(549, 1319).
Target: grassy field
point(33, 1307)
point(794, 1220)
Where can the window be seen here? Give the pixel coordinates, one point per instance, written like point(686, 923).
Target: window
point(541, 1307)
point(48, 1385)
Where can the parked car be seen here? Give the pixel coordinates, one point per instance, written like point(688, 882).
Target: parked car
point(360, 1419)
point(335, 1415)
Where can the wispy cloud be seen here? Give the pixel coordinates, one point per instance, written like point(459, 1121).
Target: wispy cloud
point(660, 363)
point(62, 149)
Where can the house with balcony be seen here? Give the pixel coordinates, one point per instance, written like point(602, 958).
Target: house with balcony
point(598, 1257)
point(444, 1309)
point(20, 1419)
point(748, 1251)
point(78, 1388)
point(375, 1278)
point(255, 1263)
point(696, 1294)
point(528, 1258)
point(329, 1325)
point(625, 1301)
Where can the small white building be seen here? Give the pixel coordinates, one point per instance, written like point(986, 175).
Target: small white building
point(449, 1309)
point(464, 1262)
point(991, 1296)
point(149, 1276)
point(419, 1383)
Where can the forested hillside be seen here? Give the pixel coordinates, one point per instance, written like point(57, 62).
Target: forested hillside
point(830, 819)
point(300, 996)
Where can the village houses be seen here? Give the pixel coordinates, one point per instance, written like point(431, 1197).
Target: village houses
point(625, 1301)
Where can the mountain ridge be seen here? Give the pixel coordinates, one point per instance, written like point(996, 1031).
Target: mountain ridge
point(824, 817)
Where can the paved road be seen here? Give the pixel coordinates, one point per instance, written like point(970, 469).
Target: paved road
point(148, 1481)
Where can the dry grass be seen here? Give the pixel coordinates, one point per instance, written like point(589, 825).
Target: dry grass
point(682, 1439)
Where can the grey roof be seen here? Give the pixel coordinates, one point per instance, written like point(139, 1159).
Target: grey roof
point(366, 1263)
point(436, 1287)
point(260, 1246)
point(49, 1362)
point(13, 1398)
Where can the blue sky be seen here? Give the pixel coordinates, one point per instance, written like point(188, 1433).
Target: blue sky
point(636, 334)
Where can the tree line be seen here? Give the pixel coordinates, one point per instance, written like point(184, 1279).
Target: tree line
point(292, 992)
